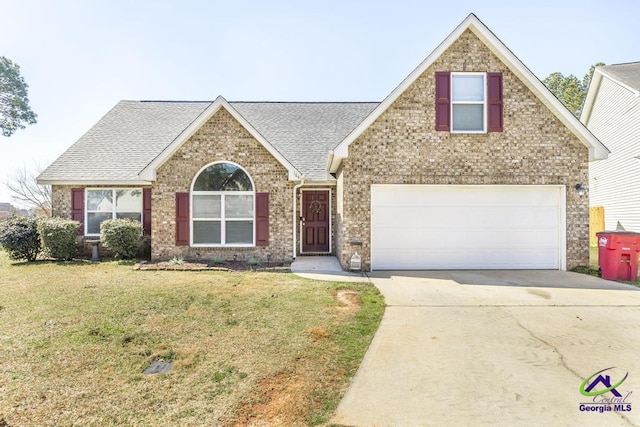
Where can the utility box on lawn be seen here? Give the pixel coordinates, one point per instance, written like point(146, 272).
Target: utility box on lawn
point(618, 255)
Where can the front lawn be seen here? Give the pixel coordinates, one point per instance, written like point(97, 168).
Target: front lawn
point(246, 348)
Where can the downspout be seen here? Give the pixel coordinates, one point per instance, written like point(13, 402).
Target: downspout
point(295, 216)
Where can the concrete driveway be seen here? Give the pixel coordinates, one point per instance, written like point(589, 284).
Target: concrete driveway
point(497, 348)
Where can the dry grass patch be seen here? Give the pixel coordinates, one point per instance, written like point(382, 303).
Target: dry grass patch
point(76, 337)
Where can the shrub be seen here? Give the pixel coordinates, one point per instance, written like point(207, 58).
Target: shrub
point(176, 261)
point(19, 237)
point(59, 237)
point(122, 236)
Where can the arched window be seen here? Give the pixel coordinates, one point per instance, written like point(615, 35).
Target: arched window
point(222, 206)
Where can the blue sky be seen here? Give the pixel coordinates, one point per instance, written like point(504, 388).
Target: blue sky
point(81, 57)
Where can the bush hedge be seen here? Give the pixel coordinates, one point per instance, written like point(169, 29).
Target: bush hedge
point(19, 237)
point(121, 236)
point(59, 237)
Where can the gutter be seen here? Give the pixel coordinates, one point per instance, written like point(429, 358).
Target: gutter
point(295, 217)
point(85, 183)
point(333, 162)
point(330, 161)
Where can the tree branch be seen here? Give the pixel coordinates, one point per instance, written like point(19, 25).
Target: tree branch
point(24, 188)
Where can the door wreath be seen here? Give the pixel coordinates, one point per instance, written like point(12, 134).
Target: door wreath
point(315, 208)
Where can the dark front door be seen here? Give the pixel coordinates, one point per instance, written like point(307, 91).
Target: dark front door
point(315, 221)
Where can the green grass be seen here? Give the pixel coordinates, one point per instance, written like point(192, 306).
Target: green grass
point(351, 339)
point(76, 336)
point(593, 257)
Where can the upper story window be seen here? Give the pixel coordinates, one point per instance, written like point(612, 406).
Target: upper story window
point(468, 102)
point(111, 203)
point(222, 210)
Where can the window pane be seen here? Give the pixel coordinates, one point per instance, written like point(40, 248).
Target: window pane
point(239, 232)
point(94, 220)
point(223, 177)
point(468, 117)
point(100, 200)
point(136, 216)
point(206, 206)
point(467, 88)
point(238, 206)
point(206, 232)
point(128, 200)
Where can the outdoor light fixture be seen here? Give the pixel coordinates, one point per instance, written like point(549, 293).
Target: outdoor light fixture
point(581, 189)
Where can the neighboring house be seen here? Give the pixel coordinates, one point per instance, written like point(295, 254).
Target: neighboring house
point(612, 113)
point(470, 163)
point(6, 211)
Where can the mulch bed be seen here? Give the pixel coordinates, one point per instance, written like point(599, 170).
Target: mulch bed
point(203, 266)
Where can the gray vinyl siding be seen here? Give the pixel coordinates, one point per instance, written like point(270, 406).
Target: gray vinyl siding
point(614, 183)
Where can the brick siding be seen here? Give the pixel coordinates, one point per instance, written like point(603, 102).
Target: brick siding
point(402, 147)
point(221, 138)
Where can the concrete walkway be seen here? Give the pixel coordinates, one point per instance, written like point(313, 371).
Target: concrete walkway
point(496, 348)
point(324, 268)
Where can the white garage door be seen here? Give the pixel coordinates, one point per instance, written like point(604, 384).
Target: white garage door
point(467, 227)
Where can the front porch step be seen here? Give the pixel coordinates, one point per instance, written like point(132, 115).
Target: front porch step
point(316, 263)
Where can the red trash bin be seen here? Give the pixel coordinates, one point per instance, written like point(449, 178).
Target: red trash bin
point(618, 255)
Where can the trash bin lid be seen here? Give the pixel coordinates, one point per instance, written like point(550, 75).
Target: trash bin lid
point(628, 233)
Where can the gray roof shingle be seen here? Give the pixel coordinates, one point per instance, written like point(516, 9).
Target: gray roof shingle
point(628, 74)
point(124, 141)
point(133, 133)
point(304, 133)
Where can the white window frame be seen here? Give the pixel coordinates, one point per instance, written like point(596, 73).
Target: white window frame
point(483, 102)
point(114, 212)
point(223, 220)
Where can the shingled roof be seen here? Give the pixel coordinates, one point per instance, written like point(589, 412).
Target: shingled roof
point(131, 135)
point(628, 74)
point(304, 133)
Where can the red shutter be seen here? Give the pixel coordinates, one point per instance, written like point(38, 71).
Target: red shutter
point(77, 207)
point(443, 101)
point(182, 219)
point(494, 102)
point(262, 219)
point(146, 211)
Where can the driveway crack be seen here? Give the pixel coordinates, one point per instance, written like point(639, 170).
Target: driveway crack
point(562, 359)
point(548, 344)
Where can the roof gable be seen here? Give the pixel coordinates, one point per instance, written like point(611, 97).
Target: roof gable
point(624, 75)
point(472, 23)
point(149, 172)
point(627, 75)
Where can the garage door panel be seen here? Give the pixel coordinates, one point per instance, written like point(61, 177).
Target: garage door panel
point(434, 260)
point(457, 227)
point(394, 238)
point(439, 216)
point(403, 196)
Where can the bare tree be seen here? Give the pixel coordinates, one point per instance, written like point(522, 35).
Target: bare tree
point(24, 189)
